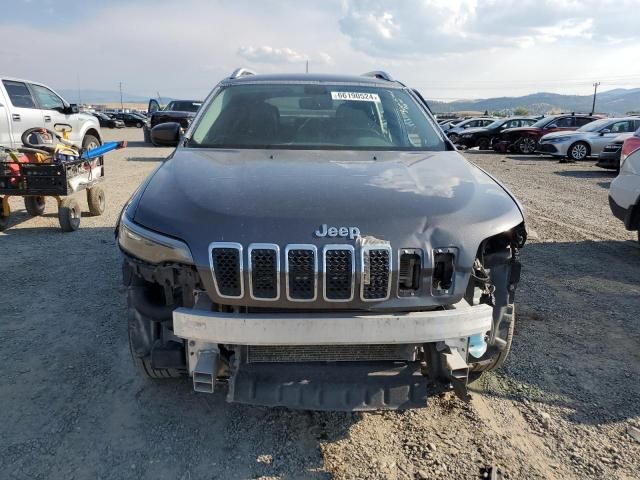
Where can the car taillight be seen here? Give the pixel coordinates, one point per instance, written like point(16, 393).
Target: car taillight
point(629, 146)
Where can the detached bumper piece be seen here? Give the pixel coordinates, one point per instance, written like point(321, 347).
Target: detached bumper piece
point(348, 386)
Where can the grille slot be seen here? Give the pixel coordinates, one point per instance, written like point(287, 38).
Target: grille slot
point(339, 273)
point(376, 272)
point(301, 265)
point(264, 271)
point(226, 267)
point(329, 353)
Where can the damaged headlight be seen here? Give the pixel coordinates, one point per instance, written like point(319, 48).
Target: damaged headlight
point(151, 246)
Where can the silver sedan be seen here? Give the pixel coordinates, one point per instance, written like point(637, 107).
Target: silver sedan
point(587, 141)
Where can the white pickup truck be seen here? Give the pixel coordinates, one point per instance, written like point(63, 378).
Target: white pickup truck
point(25, 104)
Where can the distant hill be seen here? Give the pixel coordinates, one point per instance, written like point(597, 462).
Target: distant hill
point(617, 102)
point(105, 96)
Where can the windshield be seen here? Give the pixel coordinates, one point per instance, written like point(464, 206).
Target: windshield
point(496, 124)
point(183, 106)
point(542, 122)
point(315, 116)
point(593, 126)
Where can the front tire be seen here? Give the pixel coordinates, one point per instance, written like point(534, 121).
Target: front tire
point(96, 200)
point(494, 358)
point(35, 205)
point(4, 218)
point(526, 145)
point(90, 142)
point(483, 143)
point(578, 151)
point(69, 214)
point(146, 314)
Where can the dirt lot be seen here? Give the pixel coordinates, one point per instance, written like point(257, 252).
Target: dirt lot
point(566, 405)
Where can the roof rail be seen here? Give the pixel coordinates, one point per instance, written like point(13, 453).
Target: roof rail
point(379, 74)
point(241, 72)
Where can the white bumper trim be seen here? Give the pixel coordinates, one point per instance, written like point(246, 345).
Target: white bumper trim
point(325, 329)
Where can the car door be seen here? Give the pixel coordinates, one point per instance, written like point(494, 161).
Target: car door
point(5, 122)
point(54, 111)
point(609, 132)
point(560, 124)
point(23, 111)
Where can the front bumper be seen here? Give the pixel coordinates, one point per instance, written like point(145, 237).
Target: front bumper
point(332, 329)
point(317, 384)
point(609, 159)
point(556, 149)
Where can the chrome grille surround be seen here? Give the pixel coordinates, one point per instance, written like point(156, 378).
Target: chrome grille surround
point(292, 247)
point(325, 252)
point(227, 246)
point(256, 247)
point(366, 271)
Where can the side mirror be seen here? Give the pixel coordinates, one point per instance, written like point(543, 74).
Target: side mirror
point(73, 108)
point(166, 134)
point(606, 130)
point(153, 106)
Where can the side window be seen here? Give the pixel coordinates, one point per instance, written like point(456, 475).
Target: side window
point(528, 122)
point(19, 94)
point(636, 125)
point(565, 122)
point(622, 127)
point(582, 121)
point(47, 99)
point(486, 122)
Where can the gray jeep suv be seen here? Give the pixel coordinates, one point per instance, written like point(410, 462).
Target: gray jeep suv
point(315, 242)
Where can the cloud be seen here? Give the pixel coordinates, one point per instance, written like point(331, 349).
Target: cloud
point(266, 54)
point(436, 27)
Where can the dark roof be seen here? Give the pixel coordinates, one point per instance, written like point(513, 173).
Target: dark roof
point(312, 78)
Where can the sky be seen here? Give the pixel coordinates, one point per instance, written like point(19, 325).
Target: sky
point(448, 49)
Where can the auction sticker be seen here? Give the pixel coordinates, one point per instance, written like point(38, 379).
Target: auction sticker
point(355, 96)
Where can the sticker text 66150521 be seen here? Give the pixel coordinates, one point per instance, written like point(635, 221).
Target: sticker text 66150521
point(355, 96)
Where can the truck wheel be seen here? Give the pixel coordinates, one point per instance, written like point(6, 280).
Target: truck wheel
point(493, 358)
point(69, 214)
point(89, 142)
point(4, 216)
point(34, 205)
point(146, 312)
point(96, 201)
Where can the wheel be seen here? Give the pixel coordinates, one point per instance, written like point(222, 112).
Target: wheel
point(69, 214)
point(494, 358)
point(89, 142)
point(526, 145)
point(454, 138)
point(139, 124)
point(96, 201)
point(4, 215)
point(483, 143)
point(578, 151)
point(34, 205)
point(146, 314)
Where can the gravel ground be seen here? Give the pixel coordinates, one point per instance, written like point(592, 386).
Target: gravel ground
point(566, 404)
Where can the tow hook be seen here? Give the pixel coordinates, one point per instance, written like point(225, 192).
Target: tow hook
point(203, 365)
point(457, 370)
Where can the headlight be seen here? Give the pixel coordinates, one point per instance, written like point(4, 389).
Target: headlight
point(151, 246)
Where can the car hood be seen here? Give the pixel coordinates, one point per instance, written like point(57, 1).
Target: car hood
point(410, 199)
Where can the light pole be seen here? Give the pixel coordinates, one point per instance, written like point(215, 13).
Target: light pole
point(121, 104)
point(595, 90)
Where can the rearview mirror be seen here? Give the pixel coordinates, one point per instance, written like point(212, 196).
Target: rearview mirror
point(166, 134)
